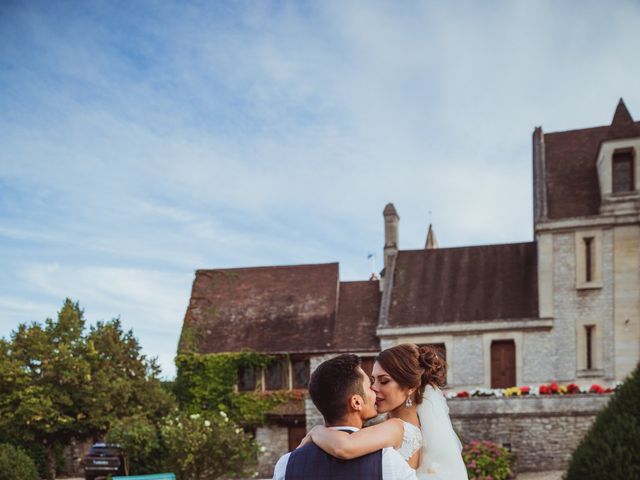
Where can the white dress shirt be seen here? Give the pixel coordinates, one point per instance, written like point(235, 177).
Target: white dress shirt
point(393, 465)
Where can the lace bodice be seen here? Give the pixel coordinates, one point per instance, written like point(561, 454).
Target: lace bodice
point(411, 440)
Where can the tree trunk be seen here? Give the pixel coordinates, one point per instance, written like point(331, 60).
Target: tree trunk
point(51, 461)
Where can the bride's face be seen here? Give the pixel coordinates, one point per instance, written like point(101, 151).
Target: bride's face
point(389, 394)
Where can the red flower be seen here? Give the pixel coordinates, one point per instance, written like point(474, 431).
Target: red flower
point(544, 390)
point(595, 388)
point(573, 388)
point(554, 388)
point(525, 390)
point(462, 394)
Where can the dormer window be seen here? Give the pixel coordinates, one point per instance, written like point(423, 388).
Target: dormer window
point(622, 171)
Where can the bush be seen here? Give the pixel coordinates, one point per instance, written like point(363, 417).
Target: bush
point(611, 448)
point(15, 464)
point(486, 461)
point(204, 447)
point(140, 439)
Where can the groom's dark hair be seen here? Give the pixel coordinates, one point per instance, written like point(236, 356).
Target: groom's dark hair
point(333, 383)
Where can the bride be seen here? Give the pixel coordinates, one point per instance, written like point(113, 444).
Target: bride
point(406, 379)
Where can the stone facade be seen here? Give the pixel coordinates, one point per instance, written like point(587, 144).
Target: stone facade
point(576, 307)
point(568, 301)
point(275, 441)
point(538, 430)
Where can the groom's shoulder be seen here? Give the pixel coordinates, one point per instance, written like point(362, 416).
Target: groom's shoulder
point(280, 469)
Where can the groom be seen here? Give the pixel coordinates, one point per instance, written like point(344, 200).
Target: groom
point(342, 392)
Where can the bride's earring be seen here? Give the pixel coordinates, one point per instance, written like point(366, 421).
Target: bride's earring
point(408, 403)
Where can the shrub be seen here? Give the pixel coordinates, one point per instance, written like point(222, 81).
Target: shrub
point(141, 441)
point(486, 461)
point(204, 447)
point(15, 464)
point(611, 448)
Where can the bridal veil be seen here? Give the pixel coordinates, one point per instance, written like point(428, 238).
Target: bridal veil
point(441, 448)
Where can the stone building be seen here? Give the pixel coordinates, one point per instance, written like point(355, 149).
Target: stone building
point(565, 306)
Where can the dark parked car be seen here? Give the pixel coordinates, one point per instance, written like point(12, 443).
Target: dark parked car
point(104, 459)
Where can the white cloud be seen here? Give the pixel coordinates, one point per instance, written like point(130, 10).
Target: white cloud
point(139, 146)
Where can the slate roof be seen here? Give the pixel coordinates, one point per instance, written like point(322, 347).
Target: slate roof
point(280, 309)
point(267, 309)
point(571, 173)
point(466, 284)
point(358, 310)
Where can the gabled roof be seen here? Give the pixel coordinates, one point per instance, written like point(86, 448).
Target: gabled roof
point(571, 174)
point(281, 309)
point(358, 310)
point(464, 284)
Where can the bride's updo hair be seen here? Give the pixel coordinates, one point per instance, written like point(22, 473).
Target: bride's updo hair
point(414, 367)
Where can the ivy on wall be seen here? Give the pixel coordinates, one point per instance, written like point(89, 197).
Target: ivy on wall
point(206, 382)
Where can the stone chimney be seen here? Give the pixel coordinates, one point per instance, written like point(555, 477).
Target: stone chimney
point(391, 220)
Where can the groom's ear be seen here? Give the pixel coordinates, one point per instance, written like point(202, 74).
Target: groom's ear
point(356, 402)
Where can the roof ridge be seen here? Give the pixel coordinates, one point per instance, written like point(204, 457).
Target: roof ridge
point(468, 247)
point(582, 130)
point(266, 267)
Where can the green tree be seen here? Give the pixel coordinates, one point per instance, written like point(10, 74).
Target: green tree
point(611, 448)
point(58, 383)
point(205, 447)
point(15, 464)
point(140, 437)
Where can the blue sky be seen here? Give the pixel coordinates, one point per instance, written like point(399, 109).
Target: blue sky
point(141, 141)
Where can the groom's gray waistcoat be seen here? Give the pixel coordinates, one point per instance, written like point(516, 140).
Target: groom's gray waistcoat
point(312, 463)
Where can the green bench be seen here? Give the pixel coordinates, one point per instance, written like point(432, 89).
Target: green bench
point(155, 476)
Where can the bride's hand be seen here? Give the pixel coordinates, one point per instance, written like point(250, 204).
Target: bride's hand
point(305, 440)
point(308, 437)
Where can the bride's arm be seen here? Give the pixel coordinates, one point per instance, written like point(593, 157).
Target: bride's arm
point(367, 440)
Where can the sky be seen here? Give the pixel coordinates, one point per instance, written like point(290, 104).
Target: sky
point(141, 141)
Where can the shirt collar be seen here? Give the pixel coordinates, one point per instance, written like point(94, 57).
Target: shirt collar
point(345, 427)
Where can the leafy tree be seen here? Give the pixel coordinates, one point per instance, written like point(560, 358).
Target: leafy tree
point(141, 439)
point(611, 448)
point(209, 446)
point(58, 383)
point(15, 464)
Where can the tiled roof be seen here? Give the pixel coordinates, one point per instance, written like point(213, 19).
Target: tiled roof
point(267, 309)
point(571, 174)
point(464, 284)
point(358, 308)
point(282, 309)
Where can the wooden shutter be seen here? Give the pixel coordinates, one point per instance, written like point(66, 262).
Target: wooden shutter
point(503, 364)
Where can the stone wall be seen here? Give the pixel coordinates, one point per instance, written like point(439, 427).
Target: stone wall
point(540, 431)
point(275, 441)
point(575, 308)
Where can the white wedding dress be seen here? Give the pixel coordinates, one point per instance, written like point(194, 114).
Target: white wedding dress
point(441, 456)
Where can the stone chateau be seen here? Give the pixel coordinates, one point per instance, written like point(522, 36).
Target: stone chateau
point(565, 306)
